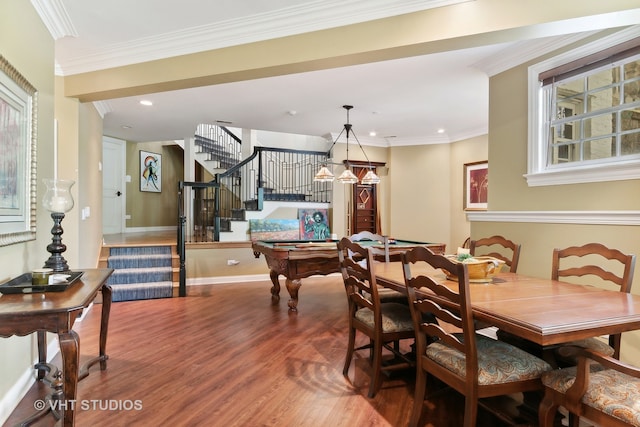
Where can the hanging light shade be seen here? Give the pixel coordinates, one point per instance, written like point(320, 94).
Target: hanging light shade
point(324, 175)
point(347, 177)
point(371, 178)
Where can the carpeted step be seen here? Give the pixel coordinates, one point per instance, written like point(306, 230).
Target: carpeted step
point(140, 275)
point(138, 261)
point(142, 291)
point(141, 272)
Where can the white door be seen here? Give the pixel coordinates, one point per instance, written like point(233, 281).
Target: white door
point(113, 185)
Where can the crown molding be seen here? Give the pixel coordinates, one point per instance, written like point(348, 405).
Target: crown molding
point(524, 51)
point(311, 16)
point(55, 17)
point(103, 107)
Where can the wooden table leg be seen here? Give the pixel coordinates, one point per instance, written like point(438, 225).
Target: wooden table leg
point(70, 350)
point(292, 287)
point(104, 328)
point(104, 325)
point(275, 289)
point(42, 353)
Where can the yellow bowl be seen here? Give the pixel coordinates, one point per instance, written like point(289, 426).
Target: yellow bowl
point(481, 269)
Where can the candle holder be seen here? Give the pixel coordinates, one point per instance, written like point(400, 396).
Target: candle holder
point(57, 200)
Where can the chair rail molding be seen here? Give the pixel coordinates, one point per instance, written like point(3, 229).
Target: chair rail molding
point(621, 217)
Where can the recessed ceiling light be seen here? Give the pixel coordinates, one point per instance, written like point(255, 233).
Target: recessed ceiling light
point(440, 130)
point(125, 127)
point(146, 102)
point(372, 133)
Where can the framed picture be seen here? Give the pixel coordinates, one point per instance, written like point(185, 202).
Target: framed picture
point(17, 156)
point(476, 186)
point(150, 172)
point(314, 224)
point(274, 229)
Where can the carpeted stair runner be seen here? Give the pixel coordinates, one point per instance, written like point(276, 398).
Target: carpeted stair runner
point(140, 273)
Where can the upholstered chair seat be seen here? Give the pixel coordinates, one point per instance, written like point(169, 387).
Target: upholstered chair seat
point(498, 362)
point(395, 317)
point(600, 388)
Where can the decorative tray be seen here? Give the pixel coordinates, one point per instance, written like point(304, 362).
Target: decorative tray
point(22, 284)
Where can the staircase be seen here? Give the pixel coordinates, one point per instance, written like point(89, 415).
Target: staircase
point(141, 272)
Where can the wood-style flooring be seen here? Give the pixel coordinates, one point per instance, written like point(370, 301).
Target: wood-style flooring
point(226, 355)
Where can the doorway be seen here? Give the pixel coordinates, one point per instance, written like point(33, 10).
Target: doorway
point(364, 216)
point(113, 185)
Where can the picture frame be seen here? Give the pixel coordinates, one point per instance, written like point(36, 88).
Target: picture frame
point(274, 229)
point(150, 172)
point(18, 156)
point(314, 224)
point(476, 186)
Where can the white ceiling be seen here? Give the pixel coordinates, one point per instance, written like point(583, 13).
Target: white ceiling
point(405, 101)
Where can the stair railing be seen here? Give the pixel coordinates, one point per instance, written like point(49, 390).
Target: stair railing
point(278, 174)
point(223, 147)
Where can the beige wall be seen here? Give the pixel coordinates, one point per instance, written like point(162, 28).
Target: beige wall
point(35, 63)
point(509, 192)
point(79, 159)
point(154, 209)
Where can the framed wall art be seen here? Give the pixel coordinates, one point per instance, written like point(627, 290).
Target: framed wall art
point(274, 229)
point(476, 186)
point(18, 101)
point(150, 172)
point(314, 224)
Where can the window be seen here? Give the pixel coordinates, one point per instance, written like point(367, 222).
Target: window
point(585, 114)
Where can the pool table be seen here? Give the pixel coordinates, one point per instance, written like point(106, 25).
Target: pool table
point(297, 259)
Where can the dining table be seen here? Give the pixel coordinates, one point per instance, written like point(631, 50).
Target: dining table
point(541, 310)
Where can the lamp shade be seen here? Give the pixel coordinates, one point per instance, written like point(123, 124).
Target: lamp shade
point(324, 175)
point(347, 177)
point(371, 178)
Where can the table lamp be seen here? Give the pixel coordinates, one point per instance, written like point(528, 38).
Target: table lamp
point(57, 200)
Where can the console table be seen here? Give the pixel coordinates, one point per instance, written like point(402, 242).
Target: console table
point(56, 312)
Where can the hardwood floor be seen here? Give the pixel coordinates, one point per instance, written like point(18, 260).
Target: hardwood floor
point(225, 355)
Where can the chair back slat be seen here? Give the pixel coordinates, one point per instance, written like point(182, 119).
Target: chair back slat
point(607, 256)
point(357, 268)
point(446, 304)
point(492, 244)
point(566, 263)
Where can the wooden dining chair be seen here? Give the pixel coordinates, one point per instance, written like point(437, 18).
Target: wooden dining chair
point(385, 294)
point(475, 365)
point(497, 247)
point(384, 323)
point(578, 261)
point(605, 392)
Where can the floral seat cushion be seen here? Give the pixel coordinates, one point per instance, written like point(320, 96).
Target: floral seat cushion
point(609, 391)
point(396, 317)
point(498, 362)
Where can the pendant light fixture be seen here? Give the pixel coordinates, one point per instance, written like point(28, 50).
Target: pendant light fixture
point(347, 177)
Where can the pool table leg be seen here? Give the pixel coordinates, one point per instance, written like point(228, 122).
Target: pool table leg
point(275, 289)
point(292, 287)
